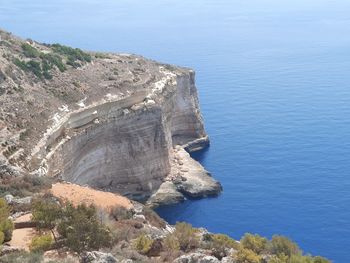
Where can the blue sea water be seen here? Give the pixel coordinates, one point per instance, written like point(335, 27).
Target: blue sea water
point(274, 84)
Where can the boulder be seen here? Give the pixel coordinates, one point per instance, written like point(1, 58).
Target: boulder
point(196, 258)
point(99, 257)
point(11, 200)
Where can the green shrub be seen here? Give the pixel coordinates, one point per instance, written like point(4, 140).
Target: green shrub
point(72, 54)
point(41, 243)
point(82, 230)
point(20, 63)
point(255, 243)
point(143, 244)
point(220, 243)
point(283, 245)
point(281, 258)
point(319, 259)
point(6, 225)
point(225, 240)
point(34, 67)
point(121, 213)
point(300, 259)
point(53, 60)
point(46, 214)
point(244, 255)
point(2, 237)
point(23, 186)
point(186, 235)
point(31, 66)
point(22, 257)
point(4, 210)
point(30, 51)
point(170, 243)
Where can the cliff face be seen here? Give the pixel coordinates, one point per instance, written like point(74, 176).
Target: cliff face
point(117, 122)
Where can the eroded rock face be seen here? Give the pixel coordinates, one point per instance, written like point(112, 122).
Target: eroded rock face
point(113, 124)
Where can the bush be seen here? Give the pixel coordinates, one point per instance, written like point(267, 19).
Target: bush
point(171, 243)
point(82, 230)
point(283, 245)
point(281, 258)
point(72, 54)
point(2, 237)
point(22, 257)
point(53, 60)
point(6, 225)
point(220, 243)
point(186, 236)
point(22, 186)
point(46, 214)
point(30, 51)
point(319, 259)
point(143, 244)
point(300, 259)
point(121, 213)
point(244, 255)
point(255, 243)
point(41, 243)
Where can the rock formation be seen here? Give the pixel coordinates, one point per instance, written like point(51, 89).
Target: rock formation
point(116, 122)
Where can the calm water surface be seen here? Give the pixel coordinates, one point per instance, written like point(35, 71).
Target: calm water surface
point(274, 84)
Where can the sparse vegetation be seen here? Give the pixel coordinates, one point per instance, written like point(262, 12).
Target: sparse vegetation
point(121, 213)
point(22, 186)
point(186, 235)
point(73, 54)
point(47, 215)
point(143, 244)
point(41, 243)
point(220, 244)
point(30, 51)
point(41, 64)
point(244, 255)
point(255, 243)
point(78, 227)
point(22, 257)
point(6, 225)
point(283, 245)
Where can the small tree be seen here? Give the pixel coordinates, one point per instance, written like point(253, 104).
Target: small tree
point(47, 215)
point(82, 230)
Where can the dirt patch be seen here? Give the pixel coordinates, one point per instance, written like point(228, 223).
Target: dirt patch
point(80, 194)
point(21, 238)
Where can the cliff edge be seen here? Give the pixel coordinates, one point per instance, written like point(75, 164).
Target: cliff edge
point(116, 122)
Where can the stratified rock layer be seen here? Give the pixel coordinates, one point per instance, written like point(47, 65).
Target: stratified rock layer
point(119, 123)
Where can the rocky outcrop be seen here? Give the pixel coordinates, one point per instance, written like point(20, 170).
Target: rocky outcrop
point(118, 123)
point(187, 178)
point(98, 257)
point(196, 258)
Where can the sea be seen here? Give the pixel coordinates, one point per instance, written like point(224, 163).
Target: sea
point(274, 84)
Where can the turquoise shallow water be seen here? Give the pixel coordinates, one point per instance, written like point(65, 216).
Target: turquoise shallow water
point(274, 84)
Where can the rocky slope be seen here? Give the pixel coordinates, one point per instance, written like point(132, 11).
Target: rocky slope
point(116, 122)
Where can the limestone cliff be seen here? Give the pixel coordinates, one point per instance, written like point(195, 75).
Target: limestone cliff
point(117, 122)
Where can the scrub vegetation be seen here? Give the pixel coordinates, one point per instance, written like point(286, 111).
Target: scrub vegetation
point(42, 64)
